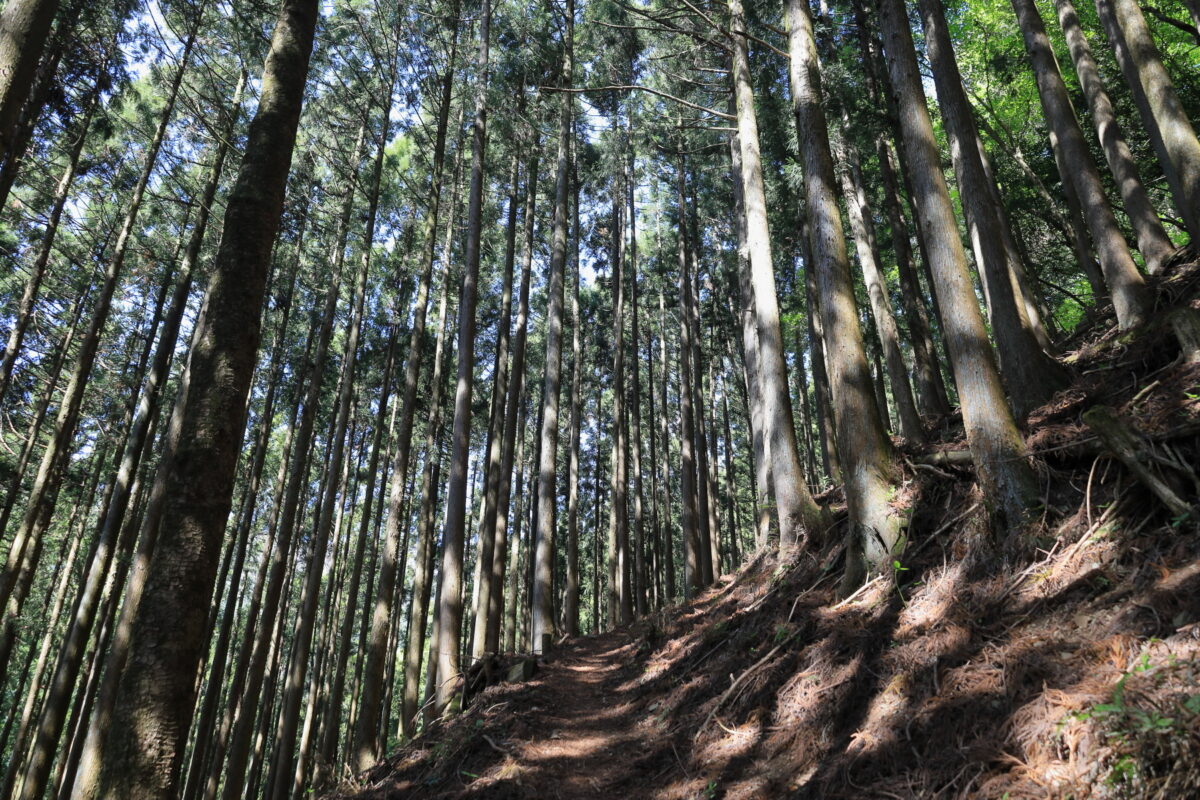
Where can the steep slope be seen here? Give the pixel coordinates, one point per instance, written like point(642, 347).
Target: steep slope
point(1061, 662)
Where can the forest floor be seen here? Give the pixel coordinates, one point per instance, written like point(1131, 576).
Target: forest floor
point(1061, 660)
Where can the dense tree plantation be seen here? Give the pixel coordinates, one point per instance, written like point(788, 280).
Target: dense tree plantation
point(360, 356)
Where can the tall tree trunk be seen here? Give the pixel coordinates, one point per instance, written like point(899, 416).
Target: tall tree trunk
point(140, 754)
point(572, 589)
point(450, 606)
point(204, 746)
point(24, 26)
point(290, 506)
point(1126, 286)
point(668, 536)
point(638, 544)
point(485, 623)
point(693, 571)
point(302, 638)
point(1152, 239)
point(619, 606)
point(820, 374)
point(799, 516)
point(542, 586)
point(760, 436)
point(1159, 106)
point(497, 602)
point(1031, 375)
point(931, 392)
point(863, 445)
point(368, 747)
point(26, 547)
point(992, 434)
point(690, 313)
point(863, 228)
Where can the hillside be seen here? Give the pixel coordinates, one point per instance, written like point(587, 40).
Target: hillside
point(1060, 662)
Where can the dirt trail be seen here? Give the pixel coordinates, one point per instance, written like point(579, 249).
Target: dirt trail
point(579, 736)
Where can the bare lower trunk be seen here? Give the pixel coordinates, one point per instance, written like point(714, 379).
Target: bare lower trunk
point(141, 752)
point(1159, 106)
point(1126, 286)
point(799, 517)
point(1152, 239)
point(991, 431)
point(863, 446)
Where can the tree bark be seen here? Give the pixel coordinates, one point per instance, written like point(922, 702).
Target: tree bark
point(877, 293)
point(1126, 286)
point(516, 387)
point(571, 593)
point(617, 588)
point(1031, 375)
point(542, 586)
point(1152, 239)
point(24, 27)
point(799, 516)
point(368, 747)
point(992, 434)
point(864, 449)
point(141, 752)
point(1159, 106)
point(450, 605)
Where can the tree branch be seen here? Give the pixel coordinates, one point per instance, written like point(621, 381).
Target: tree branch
point(628, 88)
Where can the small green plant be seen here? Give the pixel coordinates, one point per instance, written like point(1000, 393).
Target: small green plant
point(1151, 743)
point(710, 790)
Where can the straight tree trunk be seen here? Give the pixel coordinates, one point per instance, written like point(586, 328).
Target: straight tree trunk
point(572, 589)
point(931, 392)
point(368, 747)
point(799, 516)
point(693, 571)
point(992, 435)
point(760, 439)
point(619, 606)
point(485, 623)
point(668, 535)
point(635, 403)
point(542, 586)
point(1152, 239)
point(293, 693)
point(862, 226)
point(516, 387)
point(1126, 286)
point(691, 314)
point(1159, 106)
point(141, 753)
point(864, 449)
point(450, 605)
point(1031, 375)
point(240, 748)
point(820, 373)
